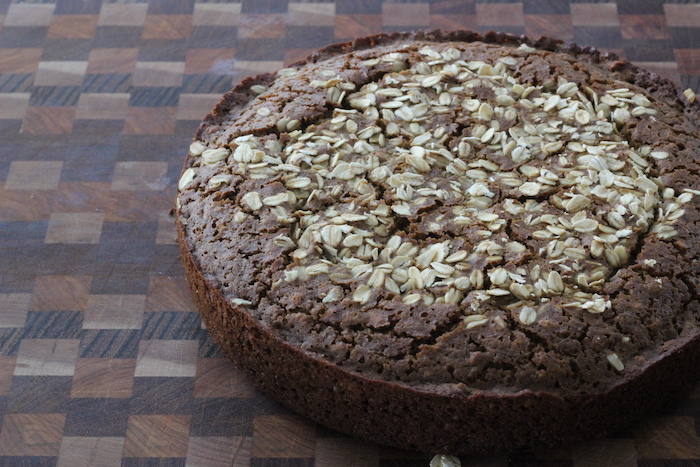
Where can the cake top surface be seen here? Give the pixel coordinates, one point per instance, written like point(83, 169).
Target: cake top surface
point(451, 213)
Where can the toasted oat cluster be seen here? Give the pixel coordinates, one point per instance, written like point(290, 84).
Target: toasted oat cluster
point(446, 179)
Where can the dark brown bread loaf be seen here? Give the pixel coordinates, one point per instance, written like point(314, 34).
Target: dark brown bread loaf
point(452, 242)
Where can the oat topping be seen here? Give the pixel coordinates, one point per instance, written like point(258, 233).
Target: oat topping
point(542, 175)
point(616, 362)
point(444, 460)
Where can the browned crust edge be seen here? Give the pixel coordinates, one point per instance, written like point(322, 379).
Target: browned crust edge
point(427, 420)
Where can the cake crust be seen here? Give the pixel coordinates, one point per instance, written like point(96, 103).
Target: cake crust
point(456, 370)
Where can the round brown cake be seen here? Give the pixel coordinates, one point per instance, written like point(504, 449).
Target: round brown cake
point(450, 242)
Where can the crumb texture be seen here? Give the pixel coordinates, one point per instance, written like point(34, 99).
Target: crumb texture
point(436, 212)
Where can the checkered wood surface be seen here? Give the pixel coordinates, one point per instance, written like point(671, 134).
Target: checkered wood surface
point(103, 359)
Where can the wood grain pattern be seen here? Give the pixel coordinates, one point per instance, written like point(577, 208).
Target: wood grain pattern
point(31, 434)
point(157, 436)
point(68, 293)
point(103, 359)
point(103, 378)
point(283, 436)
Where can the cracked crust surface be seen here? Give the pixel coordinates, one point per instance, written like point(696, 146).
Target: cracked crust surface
point(569, 309)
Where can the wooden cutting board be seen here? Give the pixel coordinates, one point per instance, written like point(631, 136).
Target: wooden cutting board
point(103, 359)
